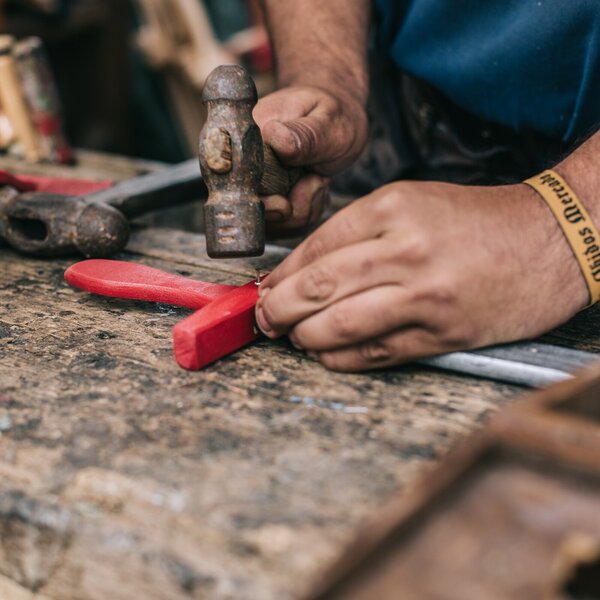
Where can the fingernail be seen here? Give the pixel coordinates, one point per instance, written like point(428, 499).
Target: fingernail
point(263, 291)
point(318, 204)
point(294, 342)
point(317, 184)
point(262, 322)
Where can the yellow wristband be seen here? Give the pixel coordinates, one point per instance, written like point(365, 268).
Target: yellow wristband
point(576, 224)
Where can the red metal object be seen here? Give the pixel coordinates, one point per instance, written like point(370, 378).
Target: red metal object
point(120, 279)
point(52, 185)
point(224, 323)
point(218, 329)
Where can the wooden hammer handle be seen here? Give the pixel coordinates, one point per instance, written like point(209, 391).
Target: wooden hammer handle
point(277, 179)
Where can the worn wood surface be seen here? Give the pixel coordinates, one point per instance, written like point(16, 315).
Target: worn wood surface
point(514, 508)
point(123, 476)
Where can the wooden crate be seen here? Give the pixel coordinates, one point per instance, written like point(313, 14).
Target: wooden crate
point(513, 513)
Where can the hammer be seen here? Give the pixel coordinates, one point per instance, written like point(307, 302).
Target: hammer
point(237, 166)
point(96, 225)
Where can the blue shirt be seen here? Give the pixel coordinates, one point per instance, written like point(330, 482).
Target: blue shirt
point(527, 64)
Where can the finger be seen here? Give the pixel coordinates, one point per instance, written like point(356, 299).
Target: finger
point(277, 208)
point(397, 348)
point(301, 142)
point(340, 274)
point(321, 202)
point(284, 105)
point(353, 224)
point(301, 198)
point(310, 193)
point(358, 318)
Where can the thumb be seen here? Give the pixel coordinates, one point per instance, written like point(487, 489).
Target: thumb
point(297, 142)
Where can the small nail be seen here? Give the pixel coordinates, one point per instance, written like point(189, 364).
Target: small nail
point(262, 322)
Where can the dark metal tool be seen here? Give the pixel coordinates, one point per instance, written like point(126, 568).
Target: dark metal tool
point(95, 225)
point(237, 166)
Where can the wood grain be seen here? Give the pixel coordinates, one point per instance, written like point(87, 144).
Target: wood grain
point(123, 476)
point(133, 478)
point(512, 512)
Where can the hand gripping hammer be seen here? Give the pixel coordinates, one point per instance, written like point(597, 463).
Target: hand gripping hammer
point(237, 167)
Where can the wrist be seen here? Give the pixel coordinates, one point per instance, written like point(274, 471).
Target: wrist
point(556, 260)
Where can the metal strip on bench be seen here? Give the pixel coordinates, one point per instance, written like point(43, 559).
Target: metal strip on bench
point(530, 364)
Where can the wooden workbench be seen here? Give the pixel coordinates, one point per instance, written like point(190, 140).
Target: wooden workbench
point(124, 477)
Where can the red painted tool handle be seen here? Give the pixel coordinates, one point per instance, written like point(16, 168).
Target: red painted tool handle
point(218, 329)
point(52, 185)
point(119, 279)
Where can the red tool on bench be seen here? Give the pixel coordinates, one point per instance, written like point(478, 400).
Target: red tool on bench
point(224, 322)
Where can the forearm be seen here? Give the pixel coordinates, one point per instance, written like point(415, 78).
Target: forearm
point(321, 43)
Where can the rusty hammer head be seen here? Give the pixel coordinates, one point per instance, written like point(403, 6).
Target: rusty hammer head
point(232, 161)
point(54, 225)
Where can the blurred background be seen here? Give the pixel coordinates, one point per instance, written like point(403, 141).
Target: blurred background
point(127, 74)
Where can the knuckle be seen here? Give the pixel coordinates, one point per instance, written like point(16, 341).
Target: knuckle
point(366, 266)
point(343, 322)
point(440, 291)
point(387, 203)
point(414, 250)
point(332, 361)
point(375, 351)
point(272, 314)
point(314, 249)
point(317, 284)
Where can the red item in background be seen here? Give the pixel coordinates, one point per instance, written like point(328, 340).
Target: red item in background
point(224, 323)
point(120, 279)
point(262, 58)
point(52, 185)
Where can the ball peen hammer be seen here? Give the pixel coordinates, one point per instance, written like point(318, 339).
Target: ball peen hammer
point(95, 225)
point(237, 166)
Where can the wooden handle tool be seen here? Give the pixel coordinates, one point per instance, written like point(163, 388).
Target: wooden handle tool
point(237, 167)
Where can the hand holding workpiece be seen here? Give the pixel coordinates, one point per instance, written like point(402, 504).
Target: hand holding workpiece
point(422, 268)
point(417, 269)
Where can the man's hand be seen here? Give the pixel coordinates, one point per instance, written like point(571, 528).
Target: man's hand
point(317, 120)
point(418, 269)
point(309, 127)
